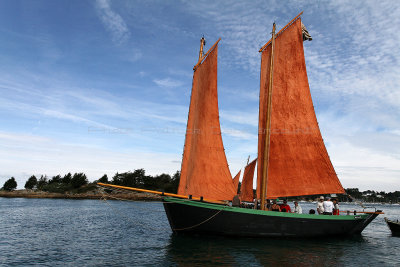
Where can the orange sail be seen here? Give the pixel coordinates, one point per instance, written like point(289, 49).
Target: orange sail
point(236, 180)
point(246, 190)
point(205, 172)
point(298, 160)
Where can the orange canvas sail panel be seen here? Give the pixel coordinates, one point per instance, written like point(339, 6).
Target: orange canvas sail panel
point(205, 170)
point(236, 180)
point(298, 160)
point(246, 190)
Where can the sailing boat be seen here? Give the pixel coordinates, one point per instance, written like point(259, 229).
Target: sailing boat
point(292, 158)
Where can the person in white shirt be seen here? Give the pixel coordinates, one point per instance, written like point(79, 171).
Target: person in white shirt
point(297, 209)
point(328, 206)
point(320, 205)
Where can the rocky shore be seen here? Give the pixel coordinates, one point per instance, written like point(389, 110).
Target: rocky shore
point(88, 195)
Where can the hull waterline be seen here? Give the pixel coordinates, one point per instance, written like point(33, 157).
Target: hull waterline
point(186, 216)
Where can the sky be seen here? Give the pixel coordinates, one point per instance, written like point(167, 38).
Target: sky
point(104, 86)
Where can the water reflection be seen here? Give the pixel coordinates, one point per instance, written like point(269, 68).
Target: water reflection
point(185, 250)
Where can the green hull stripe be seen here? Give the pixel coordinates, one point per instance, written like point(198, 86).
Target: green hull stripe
point(263, 212)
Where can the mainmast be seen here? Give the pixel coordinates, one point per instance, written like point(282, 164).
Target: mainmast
point(202, 44)
point(268, 126)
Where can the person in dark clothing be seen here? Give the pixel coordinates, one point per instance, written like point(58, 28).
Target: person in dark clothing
point(236, 201)
point(275, 207)
point(268, 205)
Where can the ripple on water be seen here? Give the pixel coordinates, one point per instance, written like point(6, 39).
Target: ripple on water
point(89, 232)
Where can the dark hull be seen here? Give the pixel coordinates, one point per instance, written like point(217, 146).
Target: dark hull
point(394, 227)
point(187, 216)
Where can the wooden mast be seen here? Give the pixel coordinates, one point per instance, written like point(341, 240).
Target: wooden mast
point(202, 44)
point(268, 126)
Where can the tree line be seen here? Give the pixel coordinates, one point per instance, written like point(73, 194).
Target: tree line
point(374, 196)
point(78, 182)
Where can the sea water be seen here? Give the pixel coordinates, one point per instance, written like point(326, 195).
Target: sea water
point(55, 232)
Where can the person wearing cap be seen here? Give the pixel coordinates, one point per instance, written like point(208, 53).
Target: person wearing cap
point(297, 209)
point(328, 206)
point(320, 205)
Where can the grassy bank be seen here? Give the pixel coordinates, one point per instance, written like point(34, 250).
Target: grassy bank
point(87, 195)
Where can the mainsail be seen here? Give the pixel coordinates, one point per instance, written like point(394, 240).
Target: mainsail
point(298, 160)
point(205, 172)
point(246, 190)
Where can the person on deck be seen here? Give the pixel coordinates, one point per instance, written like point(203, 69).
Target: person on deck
point(285, 207)
point(275, 207)
point(297, 209)
point(236, 201)
point(320, 205)
point(268, 205)
point(335, 207)
point(256, 204)
point(328, 206)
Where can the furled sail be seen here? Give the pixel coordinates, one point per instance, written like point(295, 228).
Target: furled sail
point(205, 170)
point(236, 181)
point(298, 160)
point(246, 190)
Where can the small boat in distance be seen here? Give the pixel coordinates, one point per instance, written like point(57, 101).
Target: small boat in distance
point(394, 226)
point(292, 158)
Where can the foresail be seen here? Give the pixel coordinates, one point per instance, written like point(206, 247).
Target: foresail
point(236, 181)
point(205, 170)
point(246, 190)
point(298, 160)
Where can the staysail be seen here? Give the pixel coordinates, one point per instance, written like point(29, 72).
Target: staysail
point(236, 180)
point(298, 160)
point(246, 190)
point(205, 172)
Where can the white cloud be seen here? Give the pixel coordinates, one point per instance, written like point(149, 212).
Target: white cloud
point(133, 55)
point(238, 133)
point(23, 155)
point(168, 82)
point(365, 167)
point(246, 118)
point(113, 22)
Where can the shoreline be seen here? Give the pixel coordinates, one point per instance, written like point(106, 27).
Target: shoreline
point(133, 196)
point(136, 196)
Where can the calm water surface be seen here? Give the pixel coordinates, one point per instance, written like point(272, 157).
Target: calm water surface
point(54, 232)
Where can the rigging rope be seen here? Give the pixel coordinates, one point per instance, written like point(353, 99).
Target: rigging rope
point(105, 195)
point(196, 225)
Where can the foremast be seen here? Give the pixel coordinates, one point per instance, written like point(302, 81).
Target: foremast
point(268, 124)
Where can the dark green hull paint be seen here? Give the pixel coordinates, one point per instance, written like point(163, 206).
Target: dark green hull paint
point(187, 216)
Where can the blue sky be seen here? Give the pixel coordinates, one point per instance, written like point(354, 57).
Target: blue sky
point(104, 86)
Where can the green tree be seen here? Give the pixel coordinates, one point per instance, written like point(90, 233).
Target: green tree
point(67, 178)
point(78, 180)
point(42, 182)
point(31, 183)
point(175, 182)
point(104, 179)
point(132, 179)
point(55, 179)
point(10, 184)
